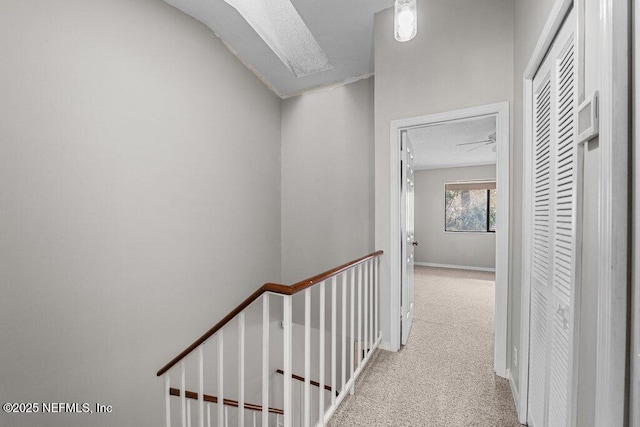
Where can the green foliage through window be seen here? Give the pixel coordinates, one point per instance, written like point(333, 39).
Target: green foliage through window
point(470, 210)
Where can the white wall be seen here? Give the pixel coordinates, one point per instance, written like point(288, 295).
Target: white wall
point(440, 247)
point(139, 176)
point(327, 179)
point(461, 57)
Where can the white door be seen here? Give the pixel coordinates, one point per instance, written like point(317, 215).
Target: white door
point(408, 242)
point(553, 272)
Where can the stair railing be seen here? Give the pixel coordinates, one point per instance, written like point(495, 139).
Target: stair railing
point(358, 285)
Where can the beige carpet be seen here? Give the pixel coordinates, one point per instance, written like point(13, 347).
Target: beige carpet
point(444, 375)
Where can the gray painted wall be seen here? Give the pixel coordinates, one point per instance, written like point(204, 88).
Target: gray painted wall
point(461, 57)
point(133, 195)
point(327, 179)
point(436, 245)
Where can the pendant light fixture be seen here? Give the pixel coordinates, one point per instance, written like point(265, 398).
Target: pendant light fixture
point(406, 20)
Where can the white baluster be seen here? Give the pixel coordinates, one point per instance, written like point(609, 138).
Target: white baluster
point(188, 413)
point(265, 359)
point(359, 315)
point(352, 315)
point(208, 414)
point(321, 366)
point(369, 312)
point(241, 370)
point(334, 284)
point(366, 307)
point(200, 386)
point(226, 416)
point(288, 331)
point(167, 399)
point(307, 357)
point(344, 331)
point(183, 397)
point(372, 333)
point(278, 420)
point(254, 419)
point(377, 292)
point(301, 405)
point(220, 377)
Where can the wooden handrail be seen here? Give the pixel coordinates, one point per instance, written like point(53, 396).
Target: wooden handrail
point(267, 287)
point(312, 382)
point(227, 402)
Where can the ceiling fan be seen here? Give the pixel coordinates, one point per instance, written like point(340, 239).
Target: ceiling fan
point(491, 139)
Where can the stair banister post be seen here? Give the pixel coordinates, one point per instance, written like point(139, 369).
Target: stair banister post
point(359, 356)
point(265, 360)
point(365, 319)
point(167, 399)
point(221, 377)
point(377, 303)
point(321, 362)
point(307, 357)
point(334, 285)
point(352, 303)
point(288, 332)
point(200, 386)
point(183, 397)
point(343, 347)
point(241, 334)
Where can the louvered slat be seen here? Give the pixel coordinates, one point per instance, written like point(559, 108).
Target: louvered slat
point(563, 240)
point(542, 164)
point(564, 178)
point(538, 362)
point(559, 371)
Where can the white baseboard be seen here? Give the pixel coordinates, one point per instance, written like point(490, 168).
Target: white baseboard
point(457, 267)
point(516, 397)
point(385, 345)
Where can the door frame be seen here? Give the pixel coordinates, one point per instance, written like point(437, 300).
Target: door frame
point(501, 111)
point(634, 405)
point(613, 233)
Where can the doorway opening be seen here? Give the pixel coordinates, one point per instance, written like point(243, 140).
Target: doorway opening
point(498, 140)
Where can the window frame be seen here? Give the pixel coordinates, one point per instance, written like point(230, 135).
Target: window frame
point(487, 229)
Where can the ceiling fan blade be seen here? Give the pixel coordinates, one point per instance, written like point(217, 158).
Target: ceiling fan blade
point(475, 142)
point(480, 146)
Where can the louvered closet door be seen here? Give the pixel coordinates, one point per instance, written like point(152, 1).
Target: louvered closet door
point(553, 244)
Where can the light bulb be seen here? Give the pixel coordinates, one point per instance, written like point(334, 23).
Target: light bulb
point(405, 17)
point(405, 20)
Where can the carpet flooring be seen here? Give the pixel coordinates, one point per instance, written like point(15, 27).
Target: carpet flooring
point(444, 375)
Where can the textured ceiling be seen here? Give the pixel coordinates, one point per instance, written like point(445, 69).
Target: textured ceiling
point(436, 146)
point(343, 30)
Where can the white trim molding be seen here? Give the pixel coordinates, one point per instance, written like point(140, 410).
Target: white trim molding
point(634, 404)
point(501, 112)
point(514, 388)
point(455, 267)
point(551, 28)
point(613, 279)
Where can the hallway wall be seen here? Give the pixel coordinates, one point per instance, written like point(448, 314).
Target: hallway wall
point(327, 179)
point(461, 57)
point(450, 248)
point(139, 177)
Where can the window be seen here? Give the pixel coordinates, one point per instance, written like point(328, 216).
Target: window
point(470, 206)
